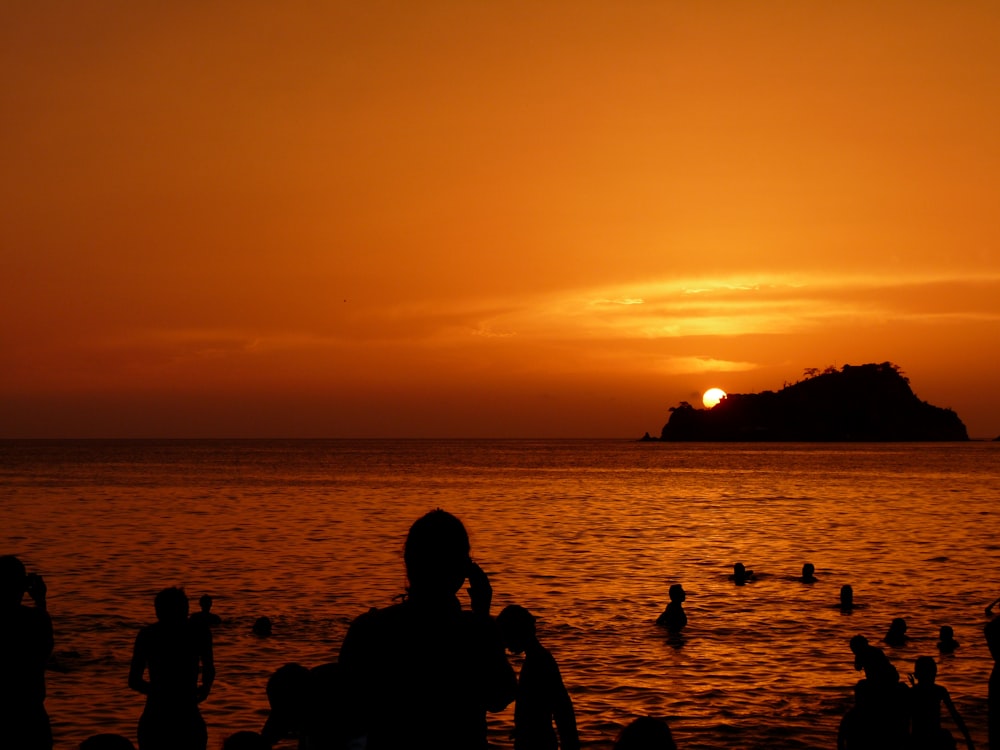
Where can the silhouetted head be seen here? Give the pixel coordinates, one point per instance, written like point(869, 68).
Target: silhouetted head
point(646, 733)
point(205, 602)
point(858, 645)
point(925, 669)
point(288, 688)
point(846, 596)
point(171, 605)
point(436, 554)
point(677, 593)
point(245, 741)
point(107, 742)
point(946, 633)
point(897, 631)
point(262, 626)
point(13, 581)
point(517, 627)
point(808, 572)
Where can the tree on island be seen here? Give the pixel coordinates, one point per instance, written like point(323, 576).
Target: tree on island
point(870, 402)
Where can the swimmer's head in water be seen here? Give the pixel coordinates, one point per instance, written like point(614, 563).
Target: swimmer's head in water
point(677, 593)
point(437, 554)
point(846, 595)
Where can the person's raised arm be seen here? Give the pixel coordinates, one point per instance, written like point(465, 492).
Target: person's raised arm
point(480, 590)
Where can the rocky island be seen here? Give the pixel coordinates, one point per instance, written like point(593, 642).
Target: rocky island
point(858, 403)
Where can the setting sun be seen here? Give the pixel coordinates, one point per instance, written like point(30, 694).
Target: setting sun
point(712, 396)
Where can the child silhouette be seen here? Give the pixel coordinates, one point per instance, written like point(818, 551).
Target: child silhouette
point(541, 695)
point(673, 617)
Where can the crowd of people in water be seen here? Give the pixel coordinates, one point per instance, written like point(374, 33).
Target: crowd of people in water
point(426, 672)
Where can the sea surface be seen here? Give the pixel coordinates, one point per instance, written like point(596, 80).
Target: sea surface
point(587, 534)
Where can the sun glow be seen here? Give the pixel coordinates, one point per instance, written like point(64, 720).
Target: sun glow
point(712, 396)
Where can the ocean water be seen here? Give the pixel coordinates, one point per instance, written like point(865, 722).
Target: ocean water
point(587, 534)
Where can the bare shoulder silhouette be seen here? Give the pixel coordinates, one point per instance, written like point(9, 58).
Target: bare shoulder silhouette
point(174, 652)
point(542, 697)
point(423, 673)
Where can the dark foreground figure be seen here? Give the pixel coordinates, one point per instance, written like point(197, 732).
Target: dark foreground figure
point(992, 632)
point(541, 695)
point(424, 673)
point(174, 650)
point(646, 733)
point(926, 700)
point(307, 704)
point(25, 645)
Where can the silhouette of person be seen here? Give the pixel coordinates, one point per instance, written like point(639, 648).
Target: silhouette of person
point(673, 618)
point(26, 642)
point(896, 635)
point(809, 573)
point(107, 742)
point(740, 574)
point(173, 650)
point(307, 704)
point(881, 714)
point(992, 633)
point(846, 598)
point(646, 733)
point(926, 697)
point(424, 672)
point(876, 665)
point(946, 640)
point(541, 695)
point(205, 616)
point(262, 627)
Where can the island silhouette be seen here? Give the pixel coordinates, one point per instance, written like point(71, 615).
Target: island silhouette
point(858, 403)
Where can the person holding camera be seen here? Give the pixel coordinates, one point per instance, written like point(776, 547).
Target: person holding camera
point(26, 643)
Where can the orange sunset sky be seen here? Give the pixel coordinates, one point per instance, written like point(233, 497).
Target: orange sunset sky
point(487, 219)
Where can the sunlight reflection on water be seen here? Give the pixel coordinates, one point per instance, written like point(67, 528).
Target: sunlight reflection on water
point(586, 534)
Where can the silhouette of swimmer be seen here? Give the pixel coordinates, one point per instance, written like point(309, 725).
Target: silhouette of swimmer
point(172, 649)
point(262, 627)
point(308, 704)
point(26, 642)
point(926, 697)
point(205, 616)
point(992, 633)
point(946, 640)
point(673, 618)
point(541, 695)
point(809, 573)
point(896, 635)
point(107, 742)
point(424, 672)
point(646, 733)
point(740, 574)
point(846, 598)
